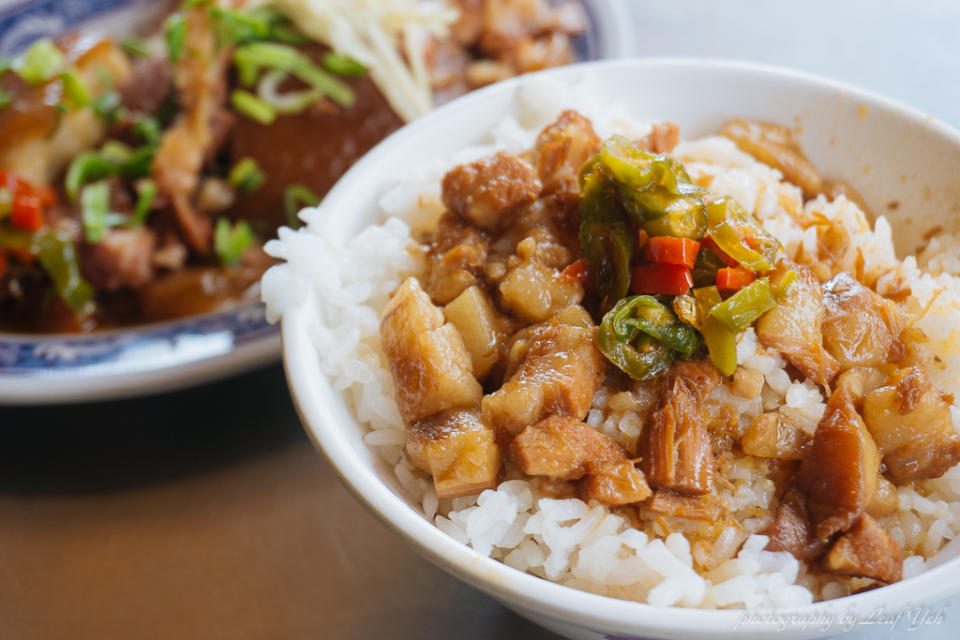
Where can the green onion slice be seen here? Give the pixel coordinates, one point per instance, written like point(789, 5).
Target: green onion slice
point(87, 166)
point(74, 89)
point(295, 197)
point(41, 63)
point(253, 107)
point(230, 242)
point(147, 192)
point(175, 35)
point(135, 48)
point(95, 206)
point(246, 175)
point(289, 103)
point(342, 65)
point(250, 58)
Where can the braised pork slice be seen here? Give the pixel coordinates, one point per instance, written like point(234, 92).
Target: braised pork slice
point(561, 150)
point(912, 426)
point(860, 326)
point(774, 145)
point(791, 529)
point(675, 505)
point(431, 367)
point(866, 551)
point(795, 327)
point(564, 448)
point(458, 450)
point(675, 445)
point(838, 477)
point(773, 435)
point(885, 500)
point(860, 381)
point(614, 483)
point(485, 192)
point(457, 255)
point(559, 374)
point(535, 292)
point(121, 259)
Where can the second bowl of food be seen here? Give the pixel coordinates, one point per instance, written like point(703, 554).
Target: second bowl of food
point(637, 348)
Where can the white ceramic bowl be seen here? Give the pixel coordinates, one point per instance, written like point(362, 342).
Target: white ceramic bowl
point(890, 152)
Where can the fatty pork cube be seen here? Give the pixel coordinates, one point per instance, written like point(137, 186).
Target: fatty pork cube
point(675, 445)
point(430, 365)
point(560, 373)
point(791, 529)
point(838, 477)
point(866, 551)
point(614, 483)
point(860, 326)
point(457, 254)
point(912, 426)
point(773, 435)
point(536, 292)
point(562, 447)
point(487, 191)
point(481, 327)
point(458, 450)
point(675, 505)
point(795, 327)
point(561, 150)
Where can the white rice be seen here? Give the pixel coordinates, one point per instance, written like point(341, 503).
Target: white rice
point(586, 546)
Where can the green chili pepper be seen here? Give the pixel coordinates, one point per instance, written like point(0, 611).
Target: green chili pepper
point(641, 337)
point(740, 236)
point(721, 345)
point(605, 237)
point(741, 309)
point(58, 257)
point(781, 286)
point(654, 189)
point(705, 269)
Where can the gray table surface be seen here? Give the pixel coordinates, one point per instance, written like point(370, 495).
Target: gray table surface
point(207, 514)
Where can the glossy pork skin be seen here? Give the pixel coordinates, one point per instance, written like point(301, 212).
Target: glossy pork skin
point(860, 327)
point(866, 551)
point(563, 447)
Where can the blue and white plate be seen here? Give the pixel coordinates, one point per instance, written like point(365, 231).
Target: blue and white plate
point(36, 369)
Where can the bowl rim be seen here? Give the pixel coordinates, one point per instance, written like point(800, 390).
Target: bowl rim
point(526, 591)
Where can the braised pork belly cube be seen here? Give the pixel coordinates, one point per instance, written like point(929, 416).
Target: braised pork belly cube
point(866, 551)
point(675, 445)
point(562, 447)
point(675, 505)
point(885, 500)
point(859, 381)
point(912, 426)
point(483, 329)
point(458, 450)
point(561, 150)
point(431, 367)
point(838, 477)
point(773, 435)
point(561, 370)
point(457, 255)
point(860, 327)
point(663, 137)
point(791, 529)
point(534, 291)
point(795, 327)
point(488, 191)
point(614, 483)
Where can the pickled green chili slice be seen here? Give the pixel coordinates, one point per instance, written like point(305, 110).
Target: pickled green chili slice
point(655, 189)
point(738, 234)
point(780, 287)
point(706, 267)
point(605, 237)
point(642, 337)
point(741, 309)
point(58, 257)
point(720, 340)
